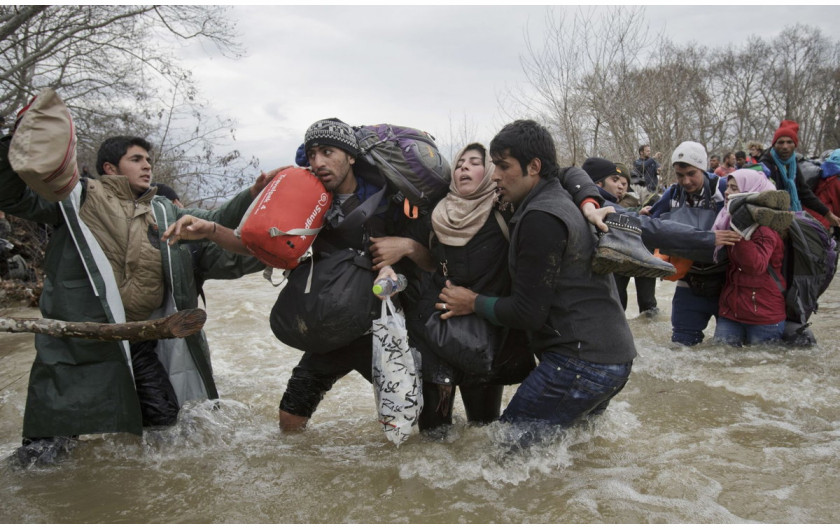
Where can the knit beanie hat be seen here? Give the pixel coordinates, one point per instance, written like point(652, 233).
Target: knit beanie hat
point(623, 171)
point(834, 157)
point(334, 132)
point(691, 153)
point(599, 169)
point(787, 128)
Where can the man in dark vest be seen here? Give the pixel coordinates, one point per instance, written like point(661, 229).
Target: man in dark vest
point(556, 297)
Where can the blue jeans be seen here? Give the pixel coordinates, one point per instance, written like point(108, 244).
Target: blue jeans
point(563, 389)
point(690, 314)
point(738, 334)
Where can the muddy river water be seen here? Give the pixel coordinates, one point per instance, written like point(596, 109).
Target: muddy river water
point(708, 434)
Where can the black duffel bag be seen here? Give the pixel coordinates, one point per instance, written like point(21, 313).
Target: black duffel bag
point(337, 308)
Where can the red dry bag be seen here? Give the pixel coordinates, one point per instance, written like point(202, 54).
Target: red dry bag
point(282, 222)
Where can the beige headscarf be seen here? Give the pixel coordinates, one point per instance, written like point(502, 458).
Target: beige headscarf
point(457, 218)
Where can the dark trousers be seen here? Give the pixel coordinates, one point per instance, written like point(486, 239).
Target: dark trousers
point(645, 291)
point(482, 403)
point(158, 402)
point(316, 373)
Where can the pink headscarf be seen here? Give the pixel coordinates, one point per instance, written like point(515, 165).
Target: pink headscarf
point(749, 180)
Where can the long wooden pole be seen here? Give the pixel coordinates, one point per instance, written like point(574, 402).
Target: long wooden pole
point(180, 324)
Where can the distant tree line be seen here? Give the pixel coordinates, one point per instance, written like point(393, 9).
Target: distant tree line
point(607, 84)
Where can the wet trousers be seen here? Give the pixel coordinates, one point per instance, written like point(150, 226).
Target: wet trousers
point(738, 334)
point(482, 403)
point(158, 402)
point(690, 314)
point(561, 390)
point(316, 373)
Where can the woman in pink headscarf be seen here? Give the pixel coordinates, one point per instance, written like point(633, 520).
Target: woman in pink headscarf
point(752, 306)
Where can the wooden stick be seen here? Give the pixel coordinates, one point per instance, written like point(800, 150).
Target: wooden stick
point(180, 324)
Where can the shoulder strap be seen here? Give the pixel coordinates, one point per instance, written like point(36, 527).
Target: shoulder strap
point(502, 224)
point(363, 212)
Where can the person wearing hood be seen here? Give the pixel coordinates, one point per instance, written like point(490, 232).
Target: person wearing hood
point(751, 305)
point(780, 161)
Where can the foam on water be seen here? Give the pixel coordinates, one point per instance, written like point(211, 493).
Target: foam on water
point(709, 434)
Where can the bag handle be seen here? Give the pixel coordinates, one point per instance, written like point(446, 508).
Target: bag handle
point(388, 307)
point(275, 232)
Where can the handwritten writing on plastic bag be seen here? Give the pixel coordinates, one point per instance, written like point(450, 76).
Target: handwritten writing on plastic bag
point(397, 386)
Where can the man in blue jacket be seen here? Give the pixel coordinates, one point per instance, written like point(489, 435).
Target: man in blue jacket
point(695, 199)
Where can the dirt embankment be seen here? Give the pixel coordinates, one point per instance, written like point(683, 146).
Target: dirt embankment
point(21, 274)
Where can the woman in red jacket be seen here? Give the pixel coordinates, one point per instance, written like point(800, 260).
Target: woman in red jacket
point(752, 308)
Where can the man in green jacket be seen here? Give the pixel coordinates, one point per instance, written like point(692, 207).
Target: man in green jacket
point(105, 263)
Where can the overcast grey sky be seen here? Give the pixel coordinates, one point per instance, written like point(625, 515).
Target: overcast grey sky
point(425, 66)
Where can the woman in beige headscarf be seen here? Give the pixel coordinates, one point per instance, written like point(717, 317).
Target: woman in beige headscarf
point(469, 246)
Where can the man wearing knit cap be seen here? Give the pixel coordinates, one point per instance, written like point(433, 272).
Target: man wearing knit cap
point(331, 149)
point(780, 160)
point(333, 166)
point(695, 199)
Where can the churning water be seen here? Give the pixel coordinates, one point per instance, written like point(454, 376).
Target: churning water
point(708, 434)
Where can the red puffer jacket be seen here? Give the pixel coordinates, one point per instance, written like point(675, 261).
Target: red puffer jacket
point(750, 295)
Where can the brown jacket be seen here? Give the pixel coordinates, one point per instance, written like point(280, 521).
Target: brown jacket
point(125, 228)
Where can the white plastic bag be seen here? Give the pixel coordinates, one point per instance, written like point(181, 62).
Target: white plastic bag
point(397, 386)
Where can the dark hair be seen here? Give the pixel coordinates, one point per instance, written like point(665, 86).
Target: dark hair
point(526, 140)
point(740, 154)
point(475, 146)
point(716, 157)
point(115, 147)
point(642, 148)
point(726, 155)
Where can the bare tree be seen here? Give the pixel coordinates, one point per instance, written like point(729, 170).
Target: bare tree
point(578, 76)
point(462, 132)
point(114, 68)
point(604, 92)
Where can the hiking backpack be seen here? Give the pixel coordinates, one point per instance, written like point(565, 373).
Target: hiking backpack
point(811, 171)
point(406, 159)
point(809, 266)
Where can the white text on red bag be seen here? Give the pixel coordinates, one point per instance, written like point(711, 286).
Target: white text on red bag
point(284, 219)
